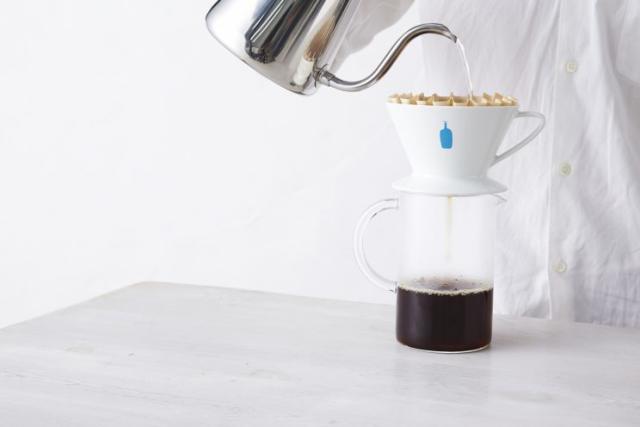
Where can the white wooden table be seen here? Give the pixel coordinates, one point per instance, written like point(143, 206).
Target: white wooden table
point(175, 355)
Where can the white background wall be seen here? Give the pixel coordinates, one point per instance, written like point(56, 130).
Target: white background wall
point(133, 147)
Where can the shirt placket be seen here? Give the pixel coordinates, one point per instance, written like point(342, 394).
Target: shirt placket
point(566, 134)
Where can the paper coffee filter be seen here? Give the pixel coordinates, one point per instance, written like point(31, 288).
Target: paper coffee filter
point(485, 100)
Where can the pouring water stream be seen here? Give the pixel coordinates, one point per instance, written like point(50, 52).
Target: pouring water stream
point(463, 55)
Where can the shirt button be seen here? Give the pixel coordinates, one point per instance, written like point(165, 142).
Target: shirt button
point(565, 169)
point(571, 67)
point(560, 267)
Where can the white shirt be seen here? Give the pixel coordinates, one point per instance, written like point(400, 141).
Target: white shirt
point(568, 244)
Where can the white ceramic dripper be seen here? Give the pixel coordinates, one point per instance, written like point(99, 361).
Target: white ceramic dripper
point(451, 148)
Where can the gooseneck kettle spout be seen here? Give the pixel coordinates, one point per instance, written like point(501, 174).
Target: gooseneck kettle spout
point(294, 42)
point(326, 78)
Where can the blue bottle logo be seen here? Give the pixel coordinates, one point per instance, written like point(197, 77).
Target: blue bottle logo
point(446, 137)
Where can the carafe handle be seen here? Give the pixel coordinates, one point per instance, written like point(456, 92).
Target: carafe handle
point(526, 140)
point(358, 244)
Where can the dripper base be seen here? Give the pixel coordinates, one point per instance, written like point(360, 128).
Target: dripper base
point(441, 186)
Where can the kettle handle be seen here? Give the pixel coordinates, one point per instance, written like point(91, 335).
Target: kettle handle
point(328, 79)
point(358, 244)
point(526, 140)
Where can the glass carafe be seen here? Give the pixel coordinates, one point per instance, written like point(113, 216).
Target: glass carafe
point(445, 282)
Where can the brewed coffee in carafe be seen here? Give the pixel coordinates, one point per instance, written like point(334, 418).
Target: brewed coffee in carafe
point(450, 315)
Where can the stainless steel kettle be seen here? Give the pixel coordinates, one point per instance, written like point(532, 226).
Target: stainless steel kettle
point(294, 42)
